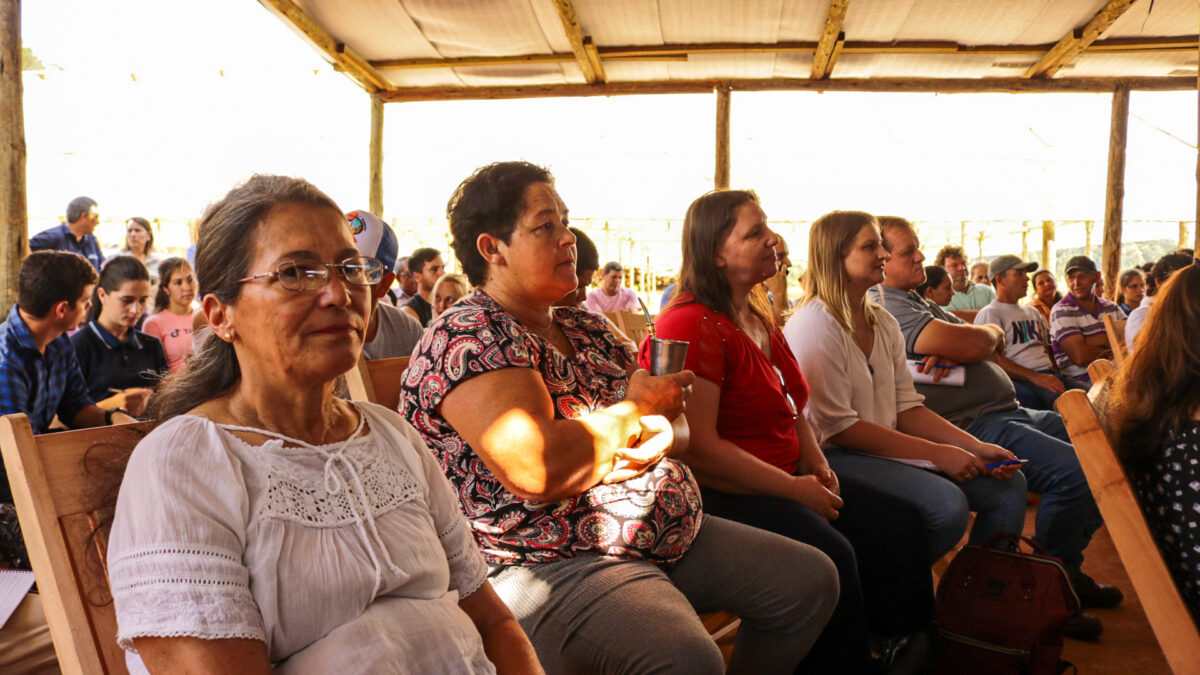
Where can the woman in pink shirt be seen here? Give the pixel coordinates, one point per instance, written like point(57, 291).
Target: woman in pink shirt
point(172, 319)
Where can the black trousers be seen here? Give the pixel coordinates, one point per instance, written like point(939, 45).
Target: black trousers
point(878, 546)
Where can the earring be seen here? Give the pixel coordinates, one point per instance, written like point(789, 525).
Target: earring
point(229, 336)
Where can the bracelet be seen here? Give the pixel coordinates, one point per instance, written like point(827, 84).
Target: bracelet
point(108, 414)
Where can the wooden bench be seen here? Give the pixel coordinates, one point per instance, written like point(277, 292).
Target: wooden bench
point(64, 486)
point(1169, 617)
point(1115, 330)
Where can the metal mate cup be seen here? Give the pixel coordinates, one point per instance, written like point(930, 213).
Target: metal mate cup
point(667, 356)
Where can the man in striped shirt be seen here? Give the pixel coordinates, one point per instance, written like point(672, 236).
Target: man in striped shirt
point(1076, 322)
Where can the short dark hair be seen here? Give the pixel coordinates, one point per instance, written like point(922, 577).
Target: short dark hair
point(934, 276)
point(50, 277)
point(78, 207)
point(419, 258)
point(613, 267)
point(488, 202)
point(1165, 267)
point(586, 255)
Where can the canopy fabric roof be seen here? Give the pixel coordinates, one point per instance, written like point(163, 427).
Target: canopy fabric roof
point(427, 49)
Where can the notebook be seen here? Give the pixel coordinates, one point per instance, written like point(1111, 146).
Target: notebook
point(14, 585)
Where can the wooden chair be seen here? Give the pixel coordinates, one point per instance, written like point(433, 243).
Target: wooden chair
point(1115, 329)
point(378, 381)
point(60, 501)
point(1100, 370)
point(635, 326)
point(1169, 618)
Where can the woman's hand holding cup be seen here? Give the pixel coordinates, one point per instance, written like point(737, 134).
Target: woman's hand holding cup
point(664, 395)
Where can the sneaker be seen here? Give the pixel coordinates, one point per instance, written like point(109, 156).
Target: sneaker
point(1083, 626)
point(1096, 595)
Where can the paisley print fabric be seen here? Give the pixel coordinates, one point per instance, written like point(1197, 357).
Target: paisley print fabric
point(1168, 487)
point(654, 516)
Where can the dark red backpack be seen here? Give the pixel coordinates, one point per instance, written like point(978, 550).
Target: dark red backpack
point(1003, 611)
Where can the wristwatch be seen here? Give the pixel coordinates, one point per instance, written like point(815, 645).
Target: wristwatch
point(108, 414)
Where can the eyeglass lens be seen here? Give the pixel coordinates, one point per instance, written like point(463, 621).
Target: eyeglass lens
point(307, 276)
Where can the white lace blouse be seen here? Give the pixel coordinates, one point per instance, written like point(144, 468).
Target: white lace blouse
point(348, 557)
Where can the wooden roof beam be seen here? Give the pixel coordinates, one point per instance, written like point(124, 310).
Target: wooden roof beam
point(832, 38)
point(681, 52)
point(929, 85)
point(1077, 40)
point(589, 61)
point(343, 57)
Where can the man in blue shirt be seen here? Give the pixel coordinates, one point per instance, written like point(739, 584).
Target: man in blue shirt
point(39, 375)
point(75, 235)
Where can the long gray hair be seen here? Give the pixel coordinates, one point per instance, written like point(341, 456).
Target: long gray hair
point(224, 250)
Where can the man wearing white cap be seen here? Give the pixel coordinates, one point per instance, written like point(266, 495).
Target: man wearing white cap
point(391, 331)
point(1027, 357)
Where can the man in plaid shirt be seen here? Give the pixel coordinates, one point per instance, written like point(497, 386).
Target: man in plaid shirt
point(39, 375)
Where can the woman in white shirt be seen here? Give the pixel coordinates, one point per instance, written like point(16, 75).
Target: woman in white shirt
point(864, 409)
point(267, 524)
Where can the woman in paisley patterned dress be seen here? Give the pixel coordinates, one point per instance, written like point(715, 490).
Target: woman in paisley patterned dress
point(265, 524)
point(1154, 413)
point(556, 444)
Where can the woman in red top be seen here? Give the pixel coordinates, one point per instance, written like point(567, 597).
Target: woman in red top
point(753, 454)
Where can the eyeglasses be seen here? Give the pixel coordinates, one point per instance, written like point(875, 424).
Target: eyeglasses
point(295, 275)
point(787, 395)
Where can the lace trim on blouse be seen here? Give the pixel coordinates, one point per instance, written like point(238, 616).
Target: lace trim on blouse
point(346, 496)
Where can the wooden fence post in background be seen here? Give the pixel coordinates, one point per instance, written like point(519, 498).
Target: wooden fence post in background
point(1115, 195)
point(376, 157)
point(14, 236)
point(721, 172)
point(1048, 246)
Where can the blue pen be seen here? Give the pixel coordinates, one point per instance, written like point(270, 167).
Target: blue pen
point(1008, 463)
point(922, 364)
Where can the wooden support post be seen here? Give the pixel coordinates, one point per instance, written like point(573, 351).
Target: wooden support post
point(962, 236)
point(376, 157)
point(721, 172)
point(1115, 195)
point(982, 236)
point(1048, 246)
point(1088, 226)
point(1183, 234)
point(14, 237)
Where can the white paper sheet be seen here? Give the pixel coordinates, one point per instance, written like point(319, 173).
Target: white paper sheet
point(14, 585)
point(955, 377)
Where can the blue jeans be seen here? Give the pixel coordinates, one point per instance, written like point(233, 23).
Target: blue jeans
point(944, 504)
point(1031, 396)
point(1067, 516)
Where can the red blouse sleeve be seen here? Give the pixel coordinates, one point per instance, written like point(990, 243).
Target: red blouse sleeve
point(695, 324)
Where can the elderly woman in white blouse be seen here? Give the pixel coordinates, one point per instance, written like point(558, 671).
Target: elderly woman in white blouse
point(265, 524)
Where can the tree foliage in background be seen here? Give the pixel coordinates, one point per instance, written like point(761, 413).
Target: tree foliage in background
point(29, 61)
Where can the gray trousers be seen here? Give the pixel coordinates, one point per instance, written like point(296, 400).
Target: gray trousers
point(597, 614)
